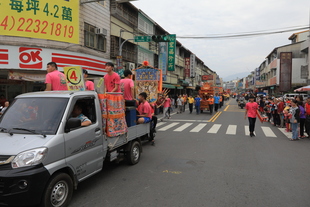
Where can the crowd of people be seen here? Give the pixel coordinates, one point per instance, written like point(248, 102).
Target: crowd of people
point(292, 114)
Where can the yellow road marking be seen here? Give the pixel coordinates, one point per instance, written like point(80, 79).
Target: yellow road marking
point(213, 116)
point(217, 116)
point(226, 108)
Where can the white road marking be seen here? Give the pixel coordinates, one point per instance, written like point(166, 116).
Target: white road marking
point(189, 120)
point(214, 129)
point(247, 131)
point(198, 128)
point(160, 123)
point(287, 134)
point(168, 126)
point(268, 132)
point(232, 129)
point(181, 128)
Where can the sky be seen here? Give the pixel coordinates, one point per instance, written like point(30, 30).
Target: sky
point(228, 57)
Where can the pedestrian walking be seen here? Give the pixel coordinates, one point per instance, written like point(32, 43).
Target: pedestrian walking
point(216, 102)
point(191, 101)
point(302, 117)
point(197, 104)
point(211, 103)
point(184, 101)
point(250, 111)
point(180, 104)
point(294, 111)
point(166, 106)
point(307, 123)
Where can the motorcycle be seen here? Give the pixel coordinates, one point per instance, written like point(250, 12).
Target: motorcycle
point(241, 104)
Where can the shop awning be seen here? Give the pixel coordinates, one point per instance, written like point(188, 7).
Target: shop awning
point(168, 86)
point(191, 87)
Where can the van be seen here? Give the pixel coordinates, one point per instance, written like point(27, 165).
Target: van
point(293, 95)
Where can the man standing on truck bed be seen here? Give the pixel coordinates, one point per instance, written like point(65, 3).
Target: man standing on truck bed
point(111, 79)
point(127, 86)
point(144, 109)
point(55, 80)
point(89, 85)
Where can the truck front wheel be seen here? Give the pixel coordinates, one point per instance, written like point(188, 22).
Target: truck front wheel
point(59, 191)
point(133, 156)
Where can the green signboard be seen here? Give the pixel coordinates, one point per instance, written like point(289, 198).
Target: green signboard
point(143, 39)
point(171, 52)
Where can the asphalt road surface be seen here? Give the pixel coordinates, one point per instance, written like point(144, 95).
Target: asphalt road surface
point(204, 160)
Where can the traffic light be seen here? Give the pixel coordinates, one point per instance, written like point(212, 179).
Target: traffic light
point(161, 38)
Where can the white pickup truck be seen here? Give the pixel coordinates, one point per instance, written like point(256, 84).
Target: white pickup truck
point(45, 153)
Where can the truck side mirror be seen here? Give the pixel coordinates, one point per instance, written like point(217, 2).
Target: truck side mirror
point(72, 123)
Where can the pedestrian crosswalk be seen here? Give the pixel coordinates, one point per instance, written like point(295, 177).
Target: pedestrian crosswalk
point(211, 128)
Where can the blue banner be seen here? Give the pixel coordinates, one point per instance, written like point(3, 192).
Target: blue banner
point(162, 59)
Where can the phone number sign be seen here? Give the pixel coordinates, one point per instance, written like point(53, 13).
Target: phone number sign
point(45, 19)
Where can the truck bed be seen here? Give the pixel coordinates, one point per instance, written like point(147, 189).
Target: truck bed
point(133, 133)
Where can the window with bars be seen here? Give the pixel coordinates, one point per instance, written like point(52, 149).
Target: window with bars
point(304, 73)
point(94, 40)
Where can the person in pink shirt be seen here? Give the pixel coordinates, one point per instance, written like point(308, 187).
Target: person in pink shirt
point(144, 109)
point(89, 85)
point(250, 111)
point(111, 79)
point(127, 86)
point(55, 80)
point(167, 104)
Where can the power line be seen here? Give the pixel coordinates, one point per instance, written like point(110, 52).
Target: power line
point(245, 34)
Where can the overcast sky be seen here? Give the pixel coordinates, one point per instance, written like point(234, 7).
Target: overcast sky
point(204, 17)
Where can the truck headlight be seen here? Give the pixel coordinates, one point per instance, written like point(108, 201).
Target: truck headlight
point(29, 158)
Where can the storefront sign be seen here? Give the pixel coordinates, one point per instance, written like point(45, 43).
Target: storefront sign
point(285, 71)
point(13, 75)
point(187, 67)
point(30, 58)
point(162, 59)
point(206, 77)
point(193, 66)
point(75, 79)
point(53, 20)
point(171, 52)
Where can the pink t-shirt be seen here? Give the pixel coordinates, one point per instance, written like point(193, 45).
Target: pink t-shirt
point(57, 80)
point(167, 103)
point(89, 85)
point(126, 85)
point(252, 108)
point(145, 108)
point(110, 81)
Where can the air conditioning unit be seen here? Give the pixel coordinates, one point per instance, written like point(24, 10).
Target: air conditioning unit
point(130, 66)
point(101, 31)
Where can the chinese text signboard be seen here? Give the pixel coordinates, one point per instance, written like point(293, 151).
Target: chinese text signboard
point(162, 59)
point(143, 39)
point(285, 71)
point(171, 52)
point(192, 65)
point(54, 20)
point(187, 67)
point(206, 77)
point(75, 79)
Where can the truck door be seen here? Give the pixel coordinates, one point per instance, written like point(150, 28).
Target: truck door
point(83, 145)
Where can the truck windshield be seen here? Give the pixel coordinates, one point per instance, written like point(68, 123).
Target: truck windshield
point(34, 115)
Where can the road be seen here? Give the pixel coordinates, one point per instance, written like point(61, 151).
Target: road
point(204, 160)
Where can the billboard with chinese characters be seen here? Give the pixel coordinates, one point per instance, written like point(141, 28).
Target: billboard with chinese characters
point(285, 71)
point(53, 20)
point(206, 77)
point(162, 59)
point(193, 65)
point(187, 67)
point(171, 52)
